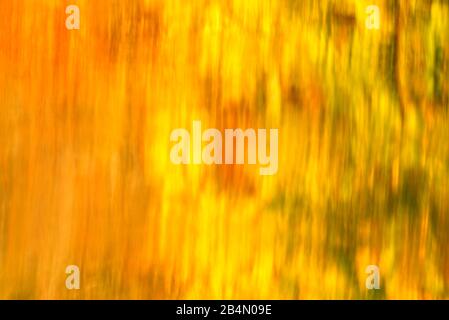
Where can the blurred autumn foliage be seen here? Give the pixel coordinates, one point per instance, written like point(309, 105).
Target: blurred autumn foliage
point(85, 176)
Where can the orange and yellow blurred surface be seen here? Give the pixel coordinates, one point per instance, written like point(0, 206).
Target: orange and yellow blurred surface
point(86, 178)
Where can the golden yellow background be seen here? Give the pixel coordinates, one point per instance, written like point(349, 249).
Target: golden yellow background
point(86, 179)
